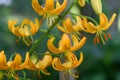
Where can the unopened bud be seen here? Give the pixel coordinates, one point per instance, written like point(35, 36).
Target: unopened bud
point(81, 3)
point(97, 6)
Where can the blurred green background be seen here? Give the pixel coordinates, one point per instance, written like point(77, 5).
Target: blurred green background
point(101, 62)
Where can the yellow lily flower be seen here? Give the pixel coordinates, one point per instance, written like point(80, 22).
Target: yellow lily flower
point(69, 27)
point(99, 29)
point(70, 62)
point(26, 29)
point(65, 44)
point(11, 66)
point(41, 64)
point(81, 3)
point(49, 9)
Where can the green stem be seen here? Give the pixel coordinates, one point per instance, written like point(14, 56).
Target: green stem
point(51, 27)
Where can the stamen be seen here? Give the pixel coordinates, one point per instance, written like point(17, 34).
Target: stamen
point(105, 37)
point(109, 35)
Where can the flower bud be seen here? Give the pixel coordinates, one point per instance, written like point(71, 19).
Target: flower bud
point(81, 3)
point(97, 6)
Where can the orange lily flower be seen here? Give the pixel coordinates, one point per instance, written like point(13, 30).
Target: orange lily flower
point(65, 44)
point(69, 27)
point(23, 29)
point(41, 64)
point(26, 29)
point(49, 9)
point(70, 62)
point(16, 64)
point(99, 29)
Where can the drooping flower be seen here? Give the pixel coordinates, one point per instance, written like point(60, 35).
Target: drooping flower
point(41, 65)
point(100, 29)
point(49, 9)
point(12, 65)
point(69, 63)
point(69, 27)
point(81, 3)
point(26, 29)
point(65, 44)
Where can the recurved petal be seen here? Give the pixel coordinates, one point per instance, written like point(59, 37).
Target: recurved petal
point(51, 46)
point(49, 5)
point(59, 9)
point(11, 25)
point(3, 62)
point(33, 29)
point(37, 7)
point(61, 28)
point(67, 24)
point(27, 58)
point(110, 22)
point(67, 64)
point(25, 22)
point(47, 58)
point(78, 24)
point(37, 24)
point(31, 65)
point(45, 72)
point(89, 27)
point(79, 45)
point(80, 60)
point(17, 31)
point(65, 42)
point(75, 40)
point(72, 58)
point(103, 20)
point(57, 65)
point(16, 62)
point(57, 4)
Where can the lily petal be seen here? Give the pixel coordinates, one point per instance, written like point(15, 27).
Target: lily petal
point(62, 29)
point(79, 45)
point(57, 65)
point(31, 66)
point(23, 65)
point(80, 60)
point(103, 20)
point(45, 72)
point(37, 7)
point(110, 22)
point(49, 5)
point(12, 28)
point(72, 58)
point(59, 9)
point(51, 46)
point(65, 42)
point(67, 24)
point(77, 27)
point(89, 27)
point(75, 40)
point(3, 62)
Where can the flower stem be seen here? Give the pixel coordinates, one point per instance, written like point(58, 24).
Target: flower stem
point(51, 27)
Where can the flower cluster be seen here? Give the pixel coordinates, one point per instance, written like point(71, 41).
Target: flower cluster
point(63, 57)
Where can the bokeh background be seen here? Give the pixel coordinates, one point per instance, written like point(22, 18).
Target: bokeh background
point(101, 62)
